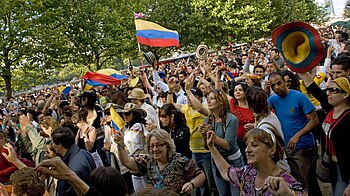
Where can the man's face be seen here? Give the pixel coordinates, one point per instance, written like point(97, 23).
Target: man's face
point(181, 77)
point(278, 85)
point(337, 71)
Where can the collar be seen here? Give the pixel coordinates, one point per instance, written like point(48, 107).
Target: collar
point(70, 153)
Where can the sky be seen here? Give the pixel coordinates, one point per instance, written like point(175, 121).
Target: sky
point(338, 6)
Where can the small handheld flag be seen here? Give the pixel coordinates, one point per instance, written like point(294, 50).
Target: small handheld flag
point(117, 121)
point(64, 89)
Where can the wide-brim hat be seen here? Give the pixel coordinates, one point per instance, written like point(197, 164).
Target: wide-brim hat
point(133, 81)
point(131, 107)
point(114, 105)
point(150, 57)
point(137, 93)
point(300, 45)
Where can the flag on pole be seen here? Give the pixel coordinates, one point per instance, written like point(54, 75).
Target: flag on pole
point(117, 121)
point(152, 34)
point(138, 15)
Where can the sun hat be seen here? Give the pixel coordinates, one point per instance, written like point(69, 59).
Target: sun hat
point(137, 93)
point(131, 107)
point(300, 45)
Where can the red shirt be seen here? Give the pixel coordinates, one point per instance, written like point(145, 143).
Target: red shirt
point(6, 168)
point(325, 126)
point(244, 116)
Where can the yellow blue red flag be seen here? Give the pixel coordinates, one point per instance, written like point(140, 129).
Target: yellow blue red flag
point(117, 120)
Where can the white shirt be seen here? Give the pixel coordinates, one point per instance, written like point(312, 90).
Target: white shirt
point(151, 114)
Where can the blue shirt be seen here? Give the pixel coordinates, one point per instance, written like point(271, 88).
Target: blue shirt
point(291, 110)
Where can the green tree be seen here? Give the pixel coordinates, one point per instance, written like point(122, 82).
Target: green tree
point(100, 30)
point(347, 9)
point(26, 41)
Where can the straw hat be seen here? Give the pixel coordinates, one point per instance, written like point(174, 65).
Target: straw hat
point(137, 93)
point(131, 107)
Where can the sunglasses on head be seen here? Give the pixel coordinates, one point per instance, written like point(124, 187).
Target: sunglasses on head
point(334, 90)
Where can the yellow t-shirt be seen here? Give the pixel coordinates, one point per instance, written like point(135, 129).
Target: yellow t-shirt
point(317, 79)
point(193, 119)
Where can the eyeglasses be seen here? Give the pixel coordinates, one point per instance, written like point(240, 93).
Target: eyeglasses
point(334, 90)
point(158, 146)
point(84, 98)
point(289, 81)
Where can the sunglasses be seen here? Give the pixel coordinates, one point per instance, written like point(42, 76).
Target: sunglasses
point(334, 90)
point(127, 113)
point(84, 98)
point(163, 115)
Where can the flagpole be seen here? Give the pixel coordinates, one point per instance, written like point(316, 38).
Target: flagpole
point(140, 55)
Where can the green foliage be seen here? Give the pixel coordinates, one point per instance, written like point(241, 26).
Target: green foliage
point(347, 9)
point(45, 41)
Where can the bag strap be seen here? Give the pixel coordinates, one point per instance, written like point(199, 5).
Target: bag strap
point(333, 125)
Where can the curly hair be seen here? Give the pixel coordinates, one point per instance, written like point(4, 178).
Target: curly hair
point(179, 118)
point(26, 181)
point(162, 137)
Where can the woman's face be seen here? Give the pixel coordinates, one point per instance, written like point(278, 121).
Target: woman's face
point(157, 149)
point(49, 153)
point(239, 92)
point(335, 94)
point(150, 126)
point(127, 116)
point(257, 152)
point(164, 119)
point(288, 81)
point(47, 130)
point(212, 101)
point(203, 88)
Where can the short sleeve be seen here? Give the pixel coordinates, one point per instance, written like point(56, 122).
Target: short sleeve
point(234, 175)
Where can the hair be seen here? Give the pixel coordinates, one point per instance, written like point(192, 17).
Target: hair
point(82, 114)
point(136, 118)
point(344, 61)
point(244, 87)
point(275, 50)
point(26, 181)
point(257, 100)
point(224, 105)
point(162, 136)
point(276, 73)
point(259, 66)
point(345, 36)
point(49, 121)
point(179, 118)
point(108, 181)
point(63, 136)
point(184, 73)
point(259, 135)
point(36, 116)
point(49, 143)
point(295, 84)
point(91, 97)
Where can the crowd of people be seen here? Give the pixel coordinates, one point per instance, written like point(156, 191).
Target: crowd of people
point(238, 122)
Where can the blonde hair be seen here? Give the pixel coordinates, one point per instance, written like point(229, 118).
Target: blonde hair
point(49, 121)
point(164, 137)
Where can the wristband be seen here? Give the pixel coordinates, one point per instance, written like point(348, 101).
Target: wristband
point(192, 185)
point(120, 146)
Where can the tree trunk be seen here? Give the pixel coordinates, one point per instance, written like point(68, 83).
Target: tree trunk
point(97, 61)
point(8, 88)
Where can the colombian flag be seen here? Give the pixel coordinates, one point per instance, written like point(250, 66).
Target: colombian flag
point(64, 89)
point(103, 77)
point(117, 121)
point(152, 34)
